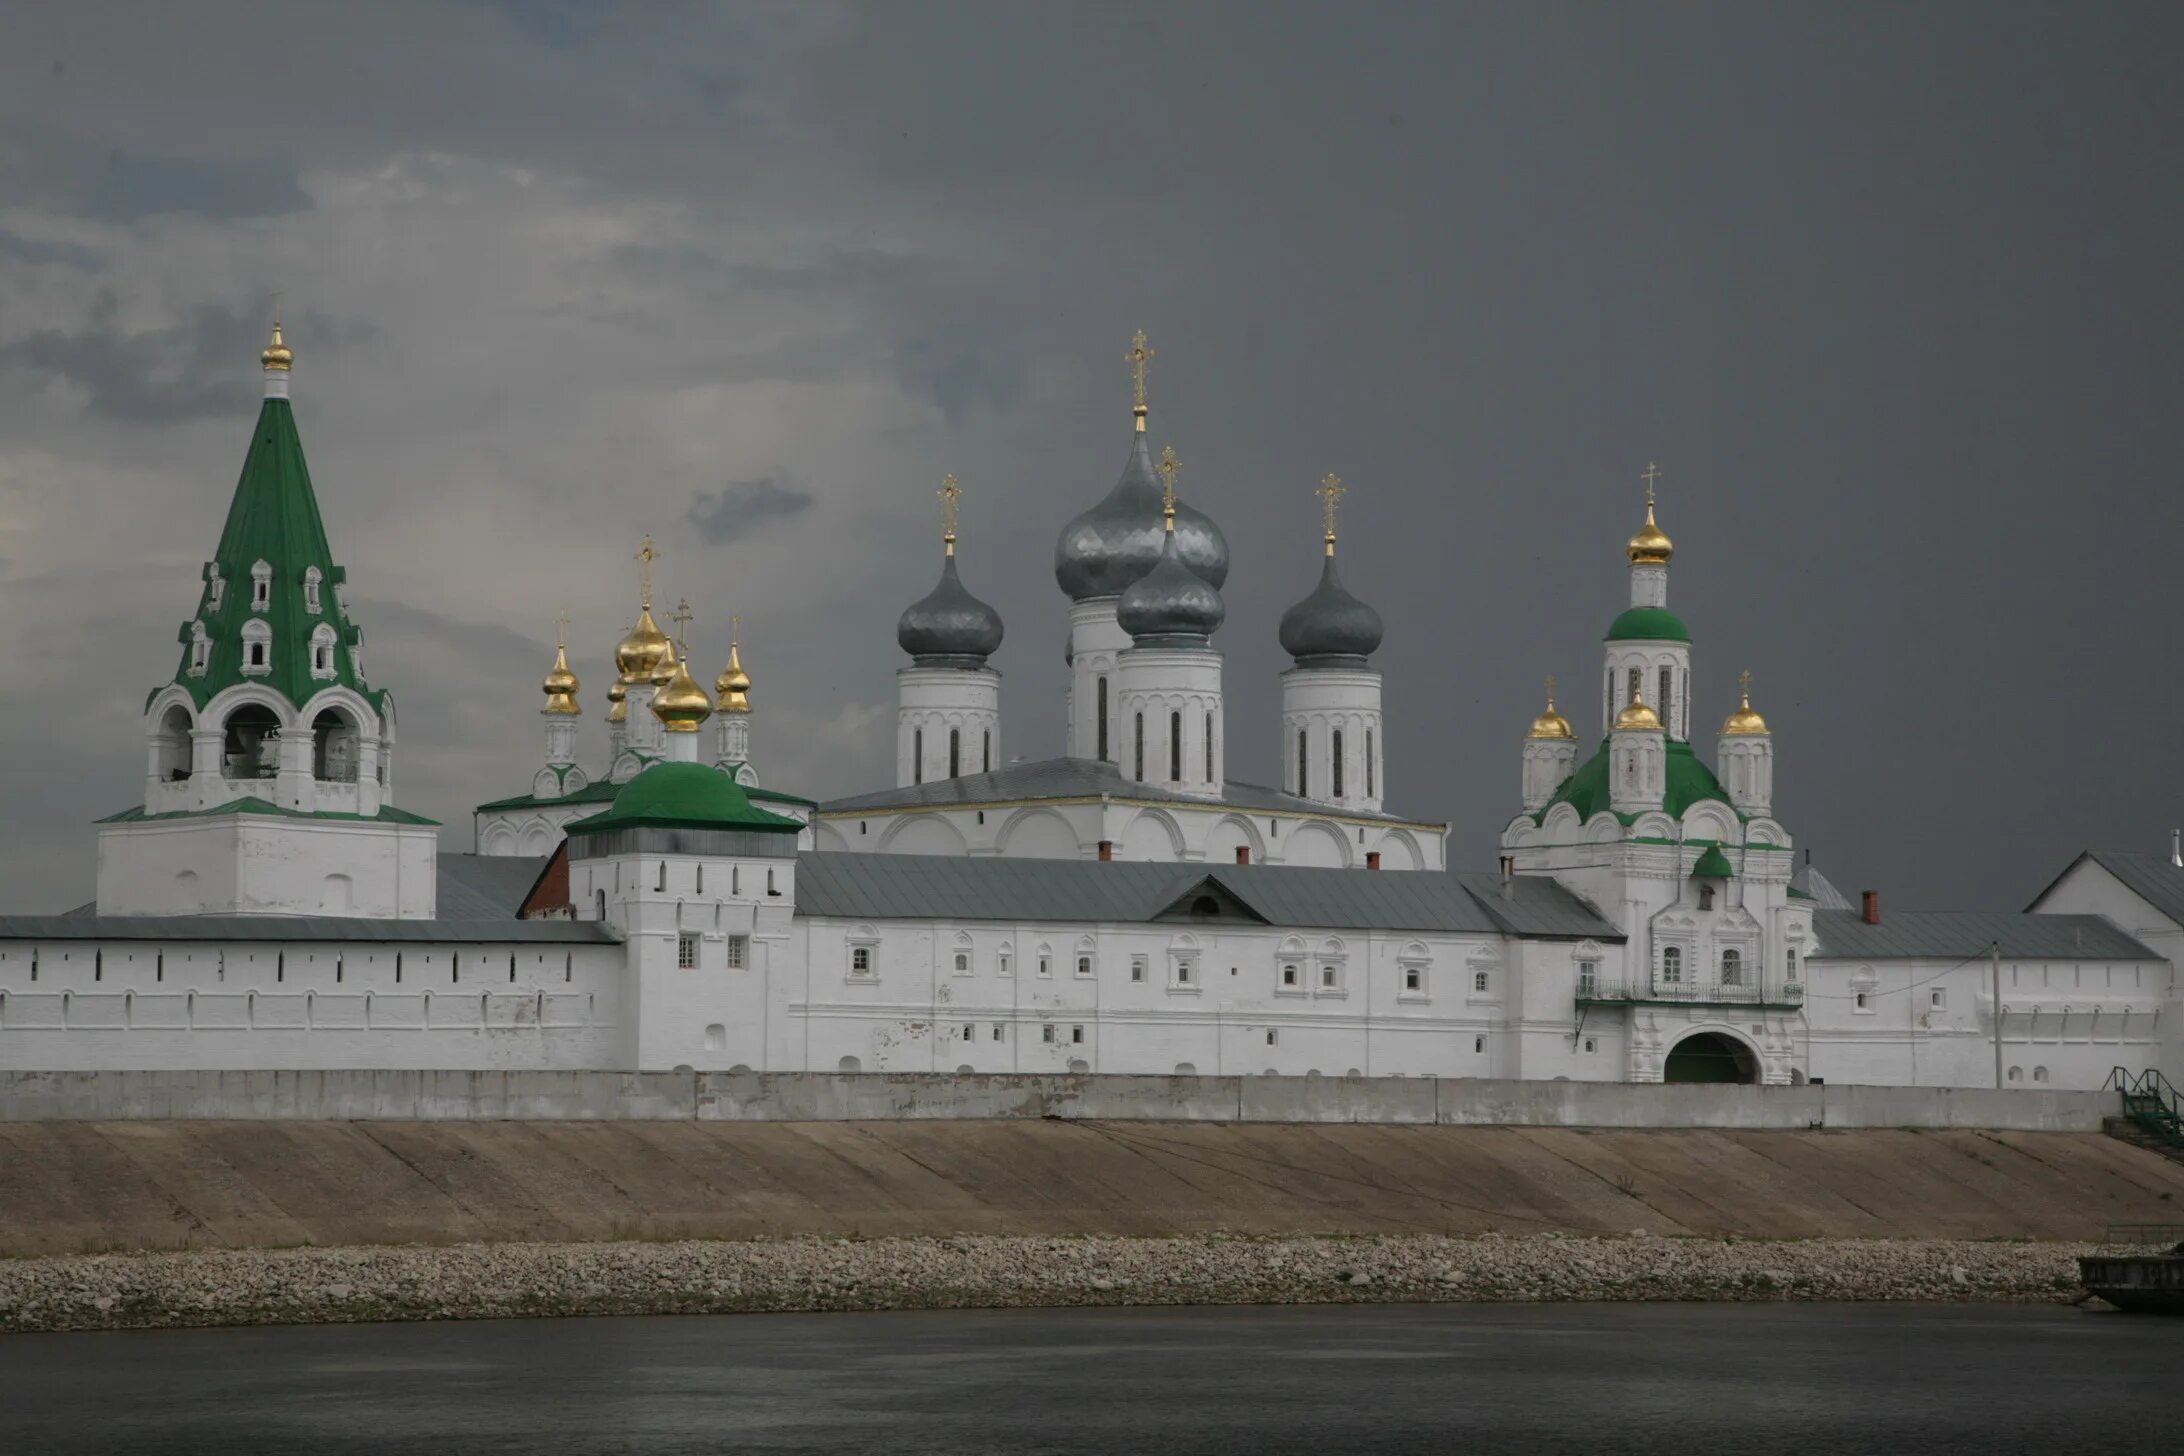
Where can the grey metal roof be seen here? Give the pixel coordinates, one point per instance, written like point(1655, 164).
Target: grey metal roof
point(1083, 778)
point(2149, 876)
point(479, 897)
point(1822, 890)
point(852, 886)
point(1964, 935)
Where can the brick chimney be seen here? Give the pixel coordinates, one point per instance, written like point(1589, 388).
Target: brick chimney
point(1372, 859)
point(1107, 850)
point(1872, 914)
point(1243, 854)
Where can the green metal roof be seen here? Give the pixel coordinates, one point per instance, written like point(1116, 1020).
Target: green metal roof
point(273, 518)
point(1712, 865)
point(603, 791)
point(1689, 782)
point(684, 796)
point(1648, 624)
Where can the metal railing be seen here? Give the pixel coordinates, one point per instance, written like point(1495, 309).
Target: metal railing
point(1782, 994)
point(2150, 1100)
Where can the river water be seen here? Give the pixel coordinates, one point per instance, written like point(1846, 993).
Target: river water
point(1788, 1380)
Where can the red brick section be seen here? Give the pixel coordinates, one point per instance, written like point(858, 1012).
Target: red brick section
point(550, 891)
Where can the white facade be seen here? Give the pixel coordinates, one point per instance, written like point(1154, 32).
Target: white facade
point(947, 723)
point(1171, 716)
point(1093, 711)
point(1334, 746)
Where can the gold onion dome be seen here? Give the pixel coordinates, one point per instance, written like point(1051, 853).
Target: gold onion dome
point(1651, 546)
point(561, 685)
point(277, 354)
point(1551, 724)
point(663, 672)
point(639, 656)
point(1745, 721)
point(1639, 714)
point(618, 701)
point(734, 684)
point(680, 703)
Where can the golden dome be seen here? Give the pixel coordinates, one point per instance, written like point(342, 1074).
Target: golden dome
point(1744, 722)
point(681, 705)
point(638, 656)
point(1551, 724)
point(618, 702)
point(561, 686)
point(664, 671)
point(277, 354)
point(1639, 714)
point(1651, 546)
point(734, 684)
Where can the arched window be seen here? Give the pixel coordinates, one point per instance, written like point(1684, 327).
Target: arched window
point(322, 651)
point(1732, 968)
point(955, 753)
point(1175, 747)
point(1138, 753)
point(1789, 963)
point(261, 586)
point(1209, 748)
point(985, 752)
point(1102, 755)
point(257, 647)
point(200, 649)
point(1672, 965)
point(917, 755)
point(1637, 685)
point(251, 743)
point(1303, 779)
point(1706, 897)
point(311, 580)
point(1369, 790)
point(334, 751)
point(1337, 761)
point(1668, 698)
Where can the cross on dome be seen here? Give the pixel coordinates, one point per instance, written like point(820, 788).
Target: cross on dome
point(1138, 357)
point(949, 493)
point(1169, 465)
point(1331, 490)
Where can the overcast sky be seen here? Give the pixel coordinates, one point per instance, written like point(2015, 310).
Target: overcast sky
point(1891, 292)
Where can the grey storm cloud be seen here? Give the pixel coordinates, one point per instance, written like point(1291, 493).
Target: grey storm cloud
point(129, 186)
point(743, 506)
point(162, 375)
point(41, 250)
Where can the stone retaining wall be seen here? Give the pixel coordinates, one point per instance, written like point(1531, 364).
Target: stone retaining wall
point(429, 1096)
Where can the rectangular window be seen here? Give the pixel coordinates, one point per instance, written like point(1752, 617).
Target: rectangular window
point(1938, 1000)
point(1414, 978)
point(1478, 1043)
point(1860, 1003)
point(1175, 748)
point(1076, 1035)
point(970, 1032)
point(1084, 965)
point(962, 963)
point(1209, 748)
point(686, 952)
point(739, 950)
point(1327, 977)
point(1137, 968)
point(1046, 1034)
point(1046, 966)
point(1336, 760)
point(1368, 763)
point(1102, 730)
point(1273, 1037)
point(1182, 973)
point(1289, 974)
point(997, 1031)
point(1480, 980)
point(860, 960)
point(1668, 693)
point(1137, 751)
point(1591, 1045)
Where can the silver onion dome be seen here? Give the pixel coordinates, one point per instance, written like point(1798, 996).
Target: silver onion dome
point(949, 627)
point(1110, 546)
point(1170, 605)
point(1330, 628)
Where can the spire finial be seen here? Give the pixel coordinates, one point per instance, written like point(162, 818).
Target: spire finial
point(1169, 465)
point(949, 492)
point(1331, 490)
point(682, 620)
point(647, 554)
point(1649, 475)
point(561, 629)
point(1550, 692)
point(1651, 546)
point(1744, 686)
point(276, 357)
point(735, 632)
point(1138, 357)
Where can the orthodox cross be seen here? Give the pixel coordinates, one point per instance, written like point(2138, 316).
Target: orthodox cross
point(561, 629)
point(735, 631)
point(1550, 691)
point(1331, 490)
point(949, 491)
point(1649, 475)
point(1138, 357)
point(1744, 684)
point(1169, 465)
point(647, 554)
point(682, 620)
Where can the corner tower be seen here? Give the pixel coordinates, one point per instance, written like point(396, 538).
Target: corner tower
point(1648, 648)
point(269, 783)
point(1168, 681)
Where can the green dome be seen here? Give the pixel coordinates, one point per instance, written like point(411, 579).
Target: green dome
point(684, 796)
point(1648, 624)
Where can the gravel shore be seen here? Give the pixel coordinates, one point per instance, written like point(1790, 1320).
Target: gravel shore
point(495, 1281)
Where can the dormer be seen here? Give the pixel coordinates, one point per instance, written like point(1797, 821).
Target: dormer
point(261, 587)
point(311, 580)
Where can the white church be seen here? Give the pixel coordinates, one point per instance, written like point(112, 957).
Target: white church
point(1125, 907)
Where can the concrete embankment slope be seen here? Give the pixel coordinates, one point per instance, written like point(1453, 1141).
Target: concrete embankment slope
point(76, 1186)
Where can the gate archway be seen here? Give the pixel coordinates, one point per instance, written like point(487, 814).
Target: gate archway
point(1711, 1056)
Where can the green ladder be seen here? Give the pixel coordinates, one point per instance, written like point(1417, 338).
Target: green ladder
point(2150, 1101)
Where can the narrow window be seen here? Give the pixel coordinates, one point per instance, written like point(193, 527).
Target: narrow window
point(997, 1034)
point(1637, 685)
point(1860, 1002)
point(1046, 1034)
point(699, 887)
point(1706, 897)
point(1137, 762)
point(661, 883)
point(1672, 965)
point(257, 654)
point(1102, 755)
point(1209, 748)
point(1668, 695)
point(1289, 973)
point(1076, 1034)
point(985, 754)
point(735, 879)
point(1084, 965)
point(739, 950)
point(98, 966)
point(1591, 1045)
point(686, 952)
point(1369, 790)
point(568, 965)
point(511, 968)
point(398, 968)
point(1413, 978)
point(1137, 968)
point(1182, 973)
point(1937, 999)
point(1338, 763)
point(917, 755)
point(1302, 778)
point(1327, 978)
point(1481, 980)
point(1478, 1043)
point(1046, 966)
point(962, 964)
point(1273, 1037)
point(955, 753)
point(770, 885)
point(970, 1032)
point(860, 961)
point(1789, 962)
point(1175, 747)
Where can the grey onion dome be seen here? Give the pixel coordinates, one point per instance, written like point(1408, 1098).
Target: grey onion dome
point(1117, 541)
point(949, 627)
point(1330, 628)
point(1171, 605)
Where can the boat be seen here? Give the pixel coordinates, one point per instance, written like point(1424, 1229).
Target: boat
point(2139, 1267)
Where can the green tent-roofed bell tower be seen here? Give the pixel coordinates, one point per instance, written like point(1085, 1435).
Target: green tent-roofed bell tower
point(268, 780)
